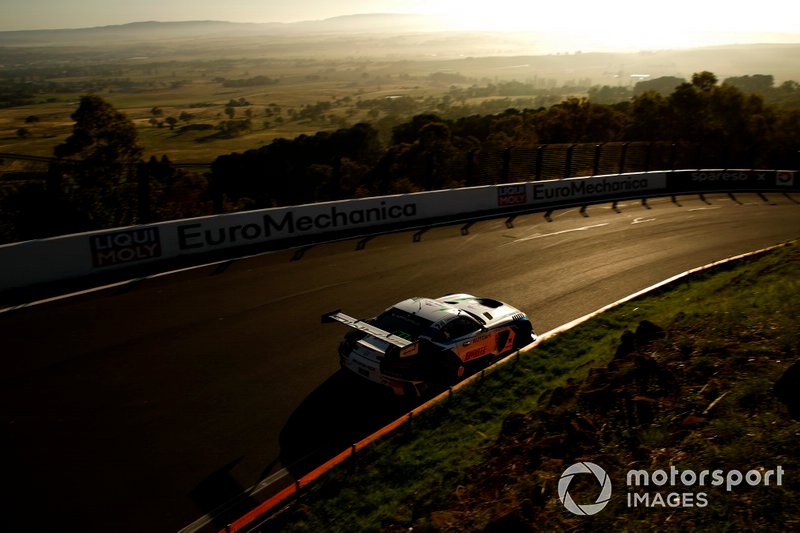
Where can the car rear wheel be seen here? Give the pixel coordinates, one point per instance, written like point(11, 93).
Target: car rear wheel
point(450, 371)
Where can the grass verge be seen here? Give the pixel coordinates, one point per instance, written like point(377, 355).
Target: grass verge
point(692, 388)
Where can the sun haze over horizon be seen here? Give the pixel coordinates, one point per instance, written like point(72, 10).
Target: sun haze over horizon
point(588, 25)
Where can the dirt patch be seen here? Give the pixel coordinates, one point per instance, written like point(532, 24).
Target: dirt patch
point(682, 395)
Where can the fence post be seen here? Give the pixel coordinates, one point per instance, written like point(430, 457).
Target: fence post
point(142, 193)
point(622, 157)
point(539, 161)
point(506, 173)
point(648, 154)
point(672, 156)
point(471, 166)
point(215, 186)
point(598, 150)
point(568, 162)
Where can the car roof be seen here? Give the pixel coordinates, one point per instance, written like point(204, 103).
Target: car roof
point(442, 310)
point(428, 308)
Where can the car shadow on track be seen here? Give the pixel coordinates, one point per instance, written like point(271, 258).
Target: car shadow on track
point(340, 412)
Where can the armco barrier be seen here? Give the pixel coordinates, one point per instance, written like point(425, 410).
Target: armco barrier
point(271, 505)
point(75, 256)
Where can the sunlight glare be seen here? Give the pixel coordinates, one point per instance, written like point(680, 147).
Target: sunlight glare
point(620, 24)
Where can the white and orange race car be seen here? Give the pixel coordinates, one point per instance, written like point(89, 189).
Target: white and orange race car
point(423, 342)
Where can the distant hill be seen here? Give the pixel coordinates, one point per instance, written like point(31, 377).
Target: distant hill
point(517, 55)
point(153, 30)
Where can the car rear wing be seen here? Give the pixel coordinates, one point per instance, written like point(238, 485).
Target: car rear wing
point(406, 346)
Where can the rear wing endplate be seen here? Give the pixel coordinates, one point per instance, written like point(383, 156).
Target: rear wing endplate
point(360, 325)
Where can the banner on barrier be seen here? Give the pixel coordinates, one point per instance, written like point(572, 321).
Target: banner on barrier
point(597, 188)
point(732, 180)
point(292, 222)
point(30, 262)
point(119, 247)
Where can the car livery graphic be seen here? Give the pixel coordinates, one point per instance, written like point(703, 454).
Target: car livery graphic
point(424, 342)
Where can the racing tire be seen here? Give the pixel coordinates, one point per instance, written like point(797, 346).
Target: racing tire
point(450, 371)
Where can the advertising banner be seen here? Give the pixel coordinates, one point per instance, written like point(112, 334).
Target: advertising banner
point(731, 180)
point(73, 256)
point(597, 188)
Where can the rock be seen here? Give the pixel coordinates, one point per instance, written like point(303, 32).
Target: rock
point(552, 446)
point(647, 332)
point(561, 395)
point(603, 397)
point(513, 425)
point(692, 421)
point(644, 409)
point(513, 522)
point(787, 389)
point(627, 345)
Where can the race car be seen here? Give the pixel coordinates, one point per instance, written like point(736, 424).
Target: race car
point(421, 343)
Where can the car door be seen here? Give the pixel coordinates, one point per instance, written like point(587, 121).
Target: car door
point(470, 340)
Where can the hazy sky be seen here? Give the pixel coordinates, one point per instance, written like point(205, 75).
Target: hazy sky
point(621, 18)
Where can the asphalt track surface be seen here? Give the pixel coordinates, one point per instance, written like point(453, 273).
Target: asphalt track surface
point(145, 407)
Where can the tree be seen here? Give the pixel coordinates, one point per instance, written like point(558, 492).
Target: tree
point(688, 113)
point(97, 163)
point(705, 81)
point(578, 120)
point(663, 85)
point(758, 83)
point(649, 113)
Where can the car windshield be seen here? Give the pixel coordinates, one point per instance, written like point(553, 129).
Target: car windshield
point(402, 323)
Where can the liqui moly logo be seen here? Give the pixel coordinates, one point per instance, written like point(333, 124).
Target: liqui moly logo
point(125, 246)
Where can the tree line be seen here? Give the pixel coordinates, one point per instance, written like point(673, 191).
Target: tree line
point(733, 127)
point(98, 177)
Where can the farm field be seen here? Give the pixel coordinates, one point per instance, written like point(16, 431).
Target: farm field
point(178, 92)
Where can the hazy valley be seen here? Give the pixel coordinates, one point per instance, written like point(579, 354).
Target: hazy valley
point(290, 79)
